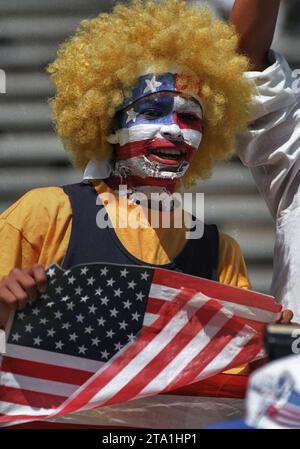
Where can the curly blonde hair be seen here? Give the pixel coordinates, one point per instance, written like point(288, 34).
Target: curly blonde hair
point(95, 69)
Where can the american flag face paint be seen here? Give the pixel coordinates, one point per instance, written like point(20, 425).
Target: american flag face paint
point(158, 135)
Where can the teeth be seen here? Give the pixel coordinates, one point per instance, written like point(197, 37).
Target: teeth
point(169, 151)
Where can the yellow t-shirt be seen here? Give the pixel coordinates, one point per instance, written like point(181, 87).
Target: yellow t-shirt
point(36, 229)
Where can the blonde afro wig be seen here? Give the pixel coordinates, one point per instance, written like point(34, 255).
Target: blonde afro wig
point(96, 68)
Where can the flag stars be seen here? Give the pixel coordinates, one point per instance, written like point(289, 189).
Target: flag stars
point(104, 300)
point(84, 298)
point(135, 316)
point(144, 276)
point(44, 296)
point(101, 321)
point(131, 116)
point(37, 341)
point(123, 325)
point(51, 272)
point(88, 330)
point(118, 346)
point(43, 321)
point(104, 354)
point(139, 296)
point(66, 326)
point(131, 337)
point(95, 341)
point(58, 290)
point(28, 328)
point(82, 350)
point(70, 306)
point(92, 309)
point(51, 332)
point(98, 291)
point(113, 312)
point(110, 282)
point(151, 85)
point(35, 311)
point(71, 280)
point(50, 304)
point(118, 292)
point(21, 316)
point(16, 337)
point(84, 271)
point(124, 273)
point(73, 337)
point(65, 298)
point(127, 304)
point(91, 280)
point(58, 315)
point(104, 271)
point(78, 291)
point(110, 333)
point(131, 284)
point(59, 345)
point(79, 318)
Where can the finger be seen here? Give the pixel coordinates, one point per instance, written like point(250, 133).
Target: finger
point(39, 275)
point(26, 281)
point(7, 298)
point(287, 316)
point(19, 293)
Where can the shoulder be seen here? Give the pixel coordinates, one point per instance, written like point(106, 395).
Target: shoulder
point(36, 207)
point(232, 267)
point(229, 245)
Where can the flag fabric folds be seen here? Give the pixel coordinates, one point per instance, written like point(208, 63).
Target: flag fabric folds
point(103, 335)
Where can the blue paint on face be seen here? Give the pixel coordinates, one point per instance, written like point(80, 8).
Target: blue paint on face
point(151, 110)
point(150, 83)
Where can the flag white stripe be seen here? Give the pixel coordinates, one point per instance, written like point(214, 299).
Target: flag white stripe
point(145, 132)
point(64, 360)
point(251, 313)
point(37, 385)
point(143, 358)
point(11, 409)
point(184, 357)
point(229, 352)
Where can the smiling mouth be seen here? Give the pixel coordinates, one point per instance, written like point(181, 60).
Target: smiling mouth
point(167, 156)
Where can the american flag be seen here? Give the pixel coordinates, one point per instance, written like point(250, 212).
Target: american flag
point(108, 334)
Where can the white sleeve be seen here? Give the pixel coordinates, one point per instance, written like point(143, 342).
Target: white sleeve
point(271, 146)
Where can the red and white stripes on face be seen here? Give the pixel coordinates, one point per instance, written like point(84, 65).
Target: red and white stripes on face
point(158, 136)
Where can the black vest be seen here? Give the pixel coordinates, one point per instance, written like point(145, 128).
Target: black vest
point(89, 243)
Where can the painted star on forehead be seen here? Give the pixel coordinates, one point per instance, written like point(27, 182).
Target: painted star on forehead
point(131, 116)
point(151, 85)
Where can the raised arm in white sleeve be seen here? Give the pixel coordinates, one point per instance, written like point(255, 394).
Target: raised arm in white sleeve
point(271, 149)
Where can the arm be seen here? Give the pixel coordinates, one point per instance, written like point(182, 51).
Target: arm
point(255, 23)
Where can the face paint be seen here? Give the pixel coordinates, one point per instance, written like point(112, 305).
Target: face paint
point(158, 136)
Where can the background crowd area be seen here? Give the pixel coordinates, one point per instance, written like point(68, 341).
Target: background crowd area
point(32, 156)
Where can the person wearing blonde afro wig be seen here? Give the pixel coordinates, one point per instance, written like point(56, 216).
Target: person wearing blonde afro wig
point(148, 96)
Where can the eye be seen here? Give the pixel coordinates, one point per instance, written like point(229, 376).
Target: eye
point(152, 114)
point(189, 117)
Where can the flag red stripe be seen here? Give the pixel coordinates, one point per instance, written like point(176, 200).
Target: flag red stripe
point(221, 386)
point(137, 347)
point(216, 290)
point(154, 305)
point(30, 398)
point(44, 371)
point(175, 346)
point(249, 351)
point(211, 351)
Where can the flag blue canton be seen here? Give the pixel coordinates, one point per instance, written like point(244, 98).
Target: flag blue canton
point(90, 311)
